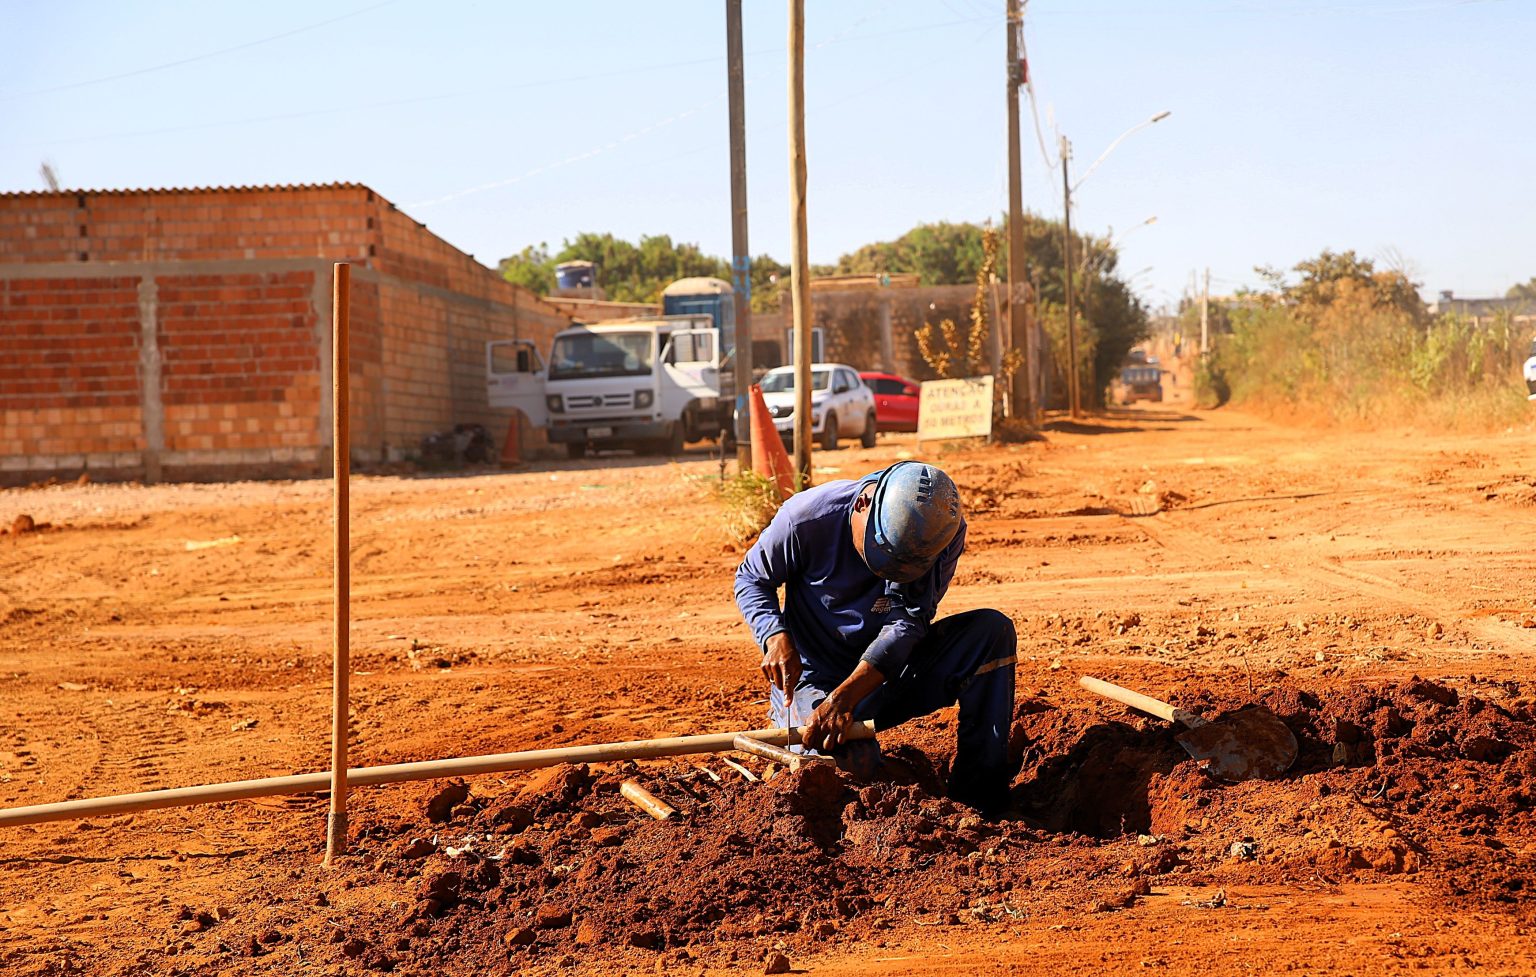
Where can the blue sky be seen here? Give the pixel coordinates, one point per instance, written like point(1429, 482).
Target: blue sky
point(1399, 128)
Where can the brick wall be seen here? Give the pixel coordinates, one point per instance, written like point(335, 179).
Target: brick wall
point(334, 221)
point(852, 322)
point(186, 333)
point(241, 365)
point(69, 367)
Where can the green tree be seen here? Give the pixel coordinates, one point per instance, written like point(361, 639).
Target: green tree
point(939, 254)
point(531, 268)
point(1526, 291)
point(1334, 276)
point(769, 279)
point(638, 272)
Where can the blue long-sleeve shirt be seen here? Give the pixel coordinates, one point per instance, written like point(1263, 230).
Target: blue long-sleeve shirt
point(835, 609)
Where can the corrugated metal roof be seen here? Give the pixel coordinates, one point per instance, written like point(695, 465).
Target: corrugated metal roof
point(123, 192)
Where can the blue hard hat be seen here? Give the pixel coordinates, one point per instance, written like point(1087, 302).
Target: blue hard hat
point(913, 516)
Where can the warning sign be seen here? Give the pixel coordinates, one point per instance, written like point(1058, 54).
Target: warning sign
point(955, 409)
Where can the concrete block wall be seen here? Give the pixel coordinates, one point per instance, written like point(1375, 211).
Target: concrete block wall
point(186, 334)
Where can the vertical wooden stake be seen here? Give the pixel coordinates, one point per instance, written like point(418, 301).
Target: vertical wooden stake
point(799, 259)
point(336, 823)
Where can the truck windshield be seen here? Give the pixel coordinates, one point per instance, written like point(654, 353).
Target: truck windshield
point(606, 354)
point(775, 382)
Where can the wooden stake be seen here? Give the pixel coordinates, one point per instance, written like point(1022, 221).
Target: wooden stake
point(646, 801)
point(397, 773)
point(336, 822)
point(799, 256)
point(739, 768)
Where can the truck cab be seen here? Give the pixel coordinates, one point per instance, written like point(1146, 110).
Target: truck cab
point(647, 384)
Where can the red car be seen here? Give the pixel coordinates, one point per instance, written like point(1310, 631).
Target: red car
point(896, 401)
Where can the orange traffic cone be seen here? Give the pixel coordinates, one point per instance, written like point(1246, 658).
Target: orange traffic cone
point(769, 459)
point(511, 448)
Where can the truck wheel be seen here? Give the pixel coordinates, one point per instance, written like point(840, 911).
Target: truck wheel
point(829, 434)
point(672, 444)
point(576, 449)
point(868, 440)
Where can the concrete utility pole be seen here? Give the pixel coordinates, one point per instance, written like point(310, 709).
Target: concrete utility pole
point(1073, 394)
point(1018, 337)
point(741, 257)
point(799, 262)
point(1205, 315)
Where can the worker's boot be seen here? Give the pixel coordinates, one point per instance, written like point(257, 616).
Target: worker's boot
point(982, 788)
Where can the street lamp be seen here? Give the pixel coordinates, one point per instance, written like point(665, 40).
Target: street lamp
point(1067, 188)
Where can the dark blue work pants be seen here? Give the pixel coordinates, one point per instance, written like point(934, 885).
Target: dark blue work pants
point(966, 658)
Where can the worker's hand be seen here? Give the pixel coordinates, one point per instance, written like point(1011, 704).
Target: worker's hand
point(828, 726)
point(825, 729)
point(781, 663)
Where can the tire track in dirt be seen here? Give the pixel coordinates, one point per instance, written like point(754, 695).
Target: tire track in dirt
point(1330, 574)
point(152, 749)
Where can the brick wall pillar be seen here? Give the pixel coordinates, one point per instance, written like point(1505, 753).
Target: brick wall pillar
point(151, 403)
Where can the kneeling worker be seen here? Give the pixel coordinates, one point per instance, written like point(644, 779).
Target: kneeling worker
point(864, 565)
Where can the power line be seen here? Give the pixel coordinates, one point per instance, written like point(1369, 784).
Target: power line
point(200, 57)
point(840, 38)
point(677, 117)
point(1029, 86)
point(577, 157)
point(224, 123)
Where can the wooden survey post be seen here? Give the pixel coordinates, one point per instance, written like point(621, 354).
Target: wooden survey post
point(336, 822)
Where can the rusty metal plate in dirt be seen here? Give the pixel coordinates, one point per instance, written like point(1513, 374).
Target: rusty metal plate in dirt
point(1248, 744)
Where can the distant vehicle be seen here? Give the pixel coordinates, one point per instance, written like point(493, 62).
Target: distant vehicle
point(896, 400)
point(649, 383)
point(1530, 373)
point(1144, 382)
point(840, 404)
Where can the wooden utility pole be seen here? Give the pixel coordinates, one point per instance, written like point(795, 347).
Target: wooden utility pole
point(1073, 394)
point(341, 464)
point(1205, 315)
point(799, 262)
point(741, 256)
point(1018, 336)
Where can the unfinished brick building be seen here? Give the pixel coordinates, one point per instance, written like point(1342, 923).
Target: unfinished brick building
point(186, 333)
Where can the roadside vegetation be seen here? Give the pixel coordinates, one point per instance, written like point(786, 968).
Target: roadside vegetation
point(748, 502)
point(1111, 319)
point(1344, 341)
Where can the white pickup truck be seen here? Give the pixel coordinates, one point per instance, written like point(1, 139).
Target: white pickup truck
point(647, 384)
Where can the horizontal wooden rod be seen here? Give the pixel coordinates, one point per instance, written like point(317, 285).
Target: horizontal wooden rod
point(768, 751)
point(396, 773)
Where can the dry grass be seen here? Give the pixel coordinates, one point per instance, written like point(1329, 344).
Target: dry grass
point(748, 503)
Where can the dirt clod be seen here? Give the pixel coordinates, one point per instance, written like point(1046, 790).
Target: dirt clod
point(552, 917)
point(440, 806)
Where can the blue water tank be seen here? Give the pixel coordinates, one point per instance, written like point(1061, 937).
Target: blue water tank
point(575, 274)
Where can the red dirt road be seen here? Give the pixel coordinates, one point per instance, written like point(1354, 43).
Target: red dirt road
point(1374, 589)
